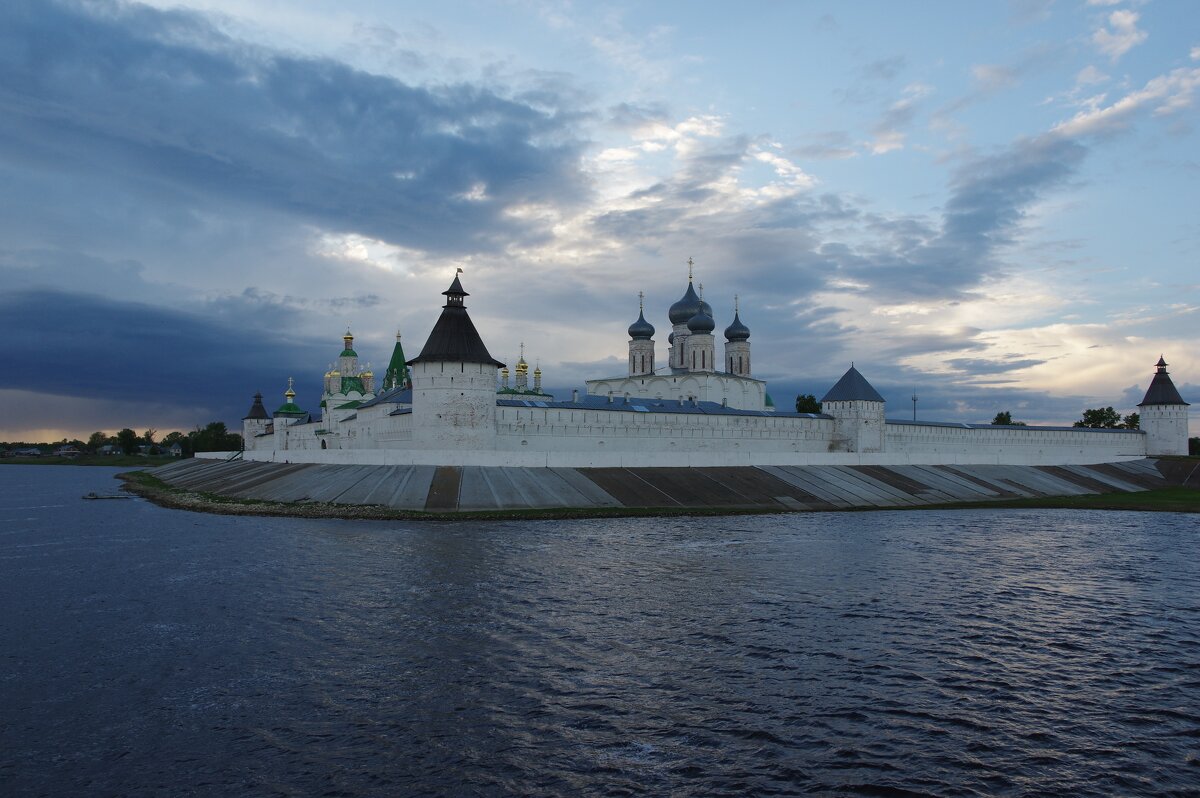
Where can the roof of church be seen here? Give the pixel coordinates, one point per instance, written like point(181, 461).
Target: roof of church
point(454, 337)
point(1162, 391)
point(852, 387)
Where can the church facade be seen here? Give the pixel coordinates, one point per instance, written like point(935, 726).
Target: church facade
point(453, 404)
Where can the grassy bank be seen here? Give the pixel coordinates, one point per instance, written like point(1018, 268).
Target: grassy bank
point(1176, 500)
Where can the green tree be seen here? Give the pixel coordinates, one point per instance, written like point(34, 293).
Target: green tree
point(807, 403)
point(148, 436)
point(1004, 418)
point(1100, 418)
point(215, 438)
point(96, 440)
point(127, 439)
point(1132, 421)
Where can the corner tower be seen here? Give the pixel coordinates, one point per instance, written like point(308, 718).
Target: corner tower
point(454, 382)
point(255, 423)
point(857, 410)
point(1164, 415)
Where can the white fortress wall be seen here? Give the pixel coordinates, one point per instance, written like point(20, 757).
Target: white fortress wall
point(588, 437)
point(1079, 445)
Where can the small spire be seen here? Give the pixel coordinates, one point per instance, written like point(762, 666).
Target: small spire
point(701, 292)
point(689, 268)
point(397, 335)
point(641, 301)
point(290, 393)
point(735, 304)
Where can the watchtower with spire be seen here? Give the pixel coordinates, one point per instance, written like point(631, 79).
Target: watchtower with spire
point(641, 342)
point(1164, 415)
point(454, 382)
point(255, 423)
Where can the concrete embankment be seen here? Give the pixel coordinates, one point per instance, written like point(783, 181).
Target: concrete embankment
point(450, 489)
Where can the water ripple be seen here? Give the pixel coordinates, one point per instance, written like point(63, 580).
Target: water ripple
point(147, 652)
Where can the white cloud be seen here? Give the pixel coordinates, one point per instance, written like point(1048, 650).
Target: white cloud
point(1165, 93)
point(1121, 36)
point(992, 77)
point(1089, 75)
point(1195, 53)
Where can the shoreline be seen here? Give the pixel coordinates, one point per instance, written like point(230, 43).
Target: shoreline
point(141, 483)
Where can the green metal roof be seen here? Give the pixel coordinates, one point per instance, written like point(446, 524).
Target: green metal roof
point(352, 404)
point(353, 383)
point(397, 370)
point(289, 409)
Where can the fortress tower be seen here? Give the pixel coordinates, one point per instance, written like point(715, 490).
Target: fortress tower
point(857, 410)
point(454, 382)
point(1164, 415)
point(256, 422)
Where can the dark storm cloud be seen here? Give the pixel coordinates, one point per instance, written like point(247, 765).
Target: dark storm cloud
point(98, 347)
point(164, 99)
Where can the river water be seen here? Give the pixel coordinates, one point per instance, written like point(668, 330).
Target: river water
point(146, 651)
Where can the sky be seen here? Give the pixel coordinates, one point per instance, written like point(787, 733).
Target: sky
point(990, 205)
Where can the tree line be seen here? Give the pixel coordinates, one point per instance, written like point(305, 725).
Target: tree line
point(213, 437)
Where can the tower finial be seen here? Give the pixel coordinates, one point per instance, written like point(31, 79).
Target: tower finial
point(689, 268)
point(735, 304)
point(641, 301)
point(701, 292)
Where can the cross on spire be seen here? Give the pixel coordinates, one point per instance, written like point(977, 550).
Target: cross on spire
point(641, 301)
point(689, 268)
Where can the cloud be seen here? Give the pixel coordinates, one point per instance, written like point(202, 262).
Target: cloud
point(889, 130)
point(1121, 35)
point(885, 68)
point(1164, 94)
point(172, 105)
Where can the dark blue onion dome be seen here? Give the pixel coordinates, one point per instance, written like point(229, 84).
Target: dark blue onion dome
point(702, 322)
point(737, 331)
point(641, 330)
point(687, 307)
point(671, 338)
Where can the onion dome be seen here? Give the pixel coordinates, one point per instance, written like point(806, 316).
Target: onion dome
point(737, 331)
point(702, 322)
point(671, 339)
point(687, 307)
point(641, 330)
point(348, 345)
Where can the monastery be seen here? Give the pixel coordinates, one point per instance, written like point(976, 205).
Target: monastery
point(453, 405)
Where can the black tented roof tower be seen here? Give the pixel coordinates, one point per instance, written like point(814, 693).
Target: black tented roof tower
point(1162, 391)
point(454, 338)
